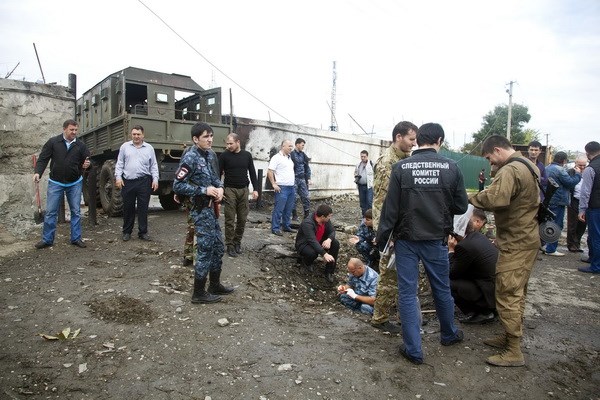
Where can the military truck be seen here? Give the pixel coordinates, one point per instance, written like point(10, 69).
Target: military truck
point(166, 105)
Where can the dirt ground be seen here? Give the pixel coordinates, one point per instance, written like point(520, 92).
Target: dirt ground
point(135, 335)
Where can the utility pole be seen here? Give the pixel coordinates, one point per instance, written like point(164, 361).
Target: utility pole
point(333, 127)
point(509, 91)
point(39, 63)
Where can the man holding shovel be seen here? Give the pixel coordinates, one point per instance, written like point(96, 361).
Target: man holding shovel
point(68, 158)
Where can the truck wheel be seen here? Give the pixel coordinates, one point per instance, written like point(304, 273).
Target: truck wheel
point(86, 192)
point(110, 196)
point(167, 202)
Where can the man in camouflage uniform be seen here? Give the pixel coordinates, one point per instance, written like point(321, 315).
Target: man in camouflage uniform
point(404, 138)
point(198, 180)
point(189, 248)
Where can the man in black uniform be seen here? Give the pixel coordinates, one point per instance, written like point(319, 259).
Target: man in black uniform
point(236, 164)
point(425, 191)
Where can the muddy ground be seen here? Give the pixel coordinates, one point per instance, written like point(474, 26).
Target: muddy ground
point(137, 336)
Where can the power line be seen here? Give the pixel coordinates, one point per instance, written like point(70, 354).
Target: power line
point(300, 128)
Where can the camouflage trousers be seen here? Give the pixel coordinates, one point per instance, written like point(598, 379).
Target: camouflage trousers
point(209, 242)
point(302, 192)
point(387, 287)
point(189, 249)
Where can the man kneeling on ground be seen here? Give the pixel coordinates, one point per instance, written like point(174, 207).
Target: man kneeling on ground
point(359, 293)
point(473, 272)
point(316, 237)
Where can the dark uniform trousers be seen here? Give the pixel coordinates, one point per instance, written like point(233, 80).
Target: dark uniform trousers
point(309, 255)
point(136, 191)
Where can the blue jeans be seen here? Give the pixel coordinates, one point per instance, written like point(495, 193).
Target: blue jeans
point(54, 197)
point(282, 210)
point(356, 305)
point(434, 255)
point(592, 217)
point(365, 197)
point(559, 219)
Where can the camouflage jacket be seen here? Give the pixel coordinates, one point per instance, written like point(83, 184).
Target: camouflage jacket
point(383, 171)
point(196, 173)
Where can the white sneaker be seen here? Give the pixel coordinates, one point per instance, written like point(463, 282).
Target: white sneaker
point(555, 254)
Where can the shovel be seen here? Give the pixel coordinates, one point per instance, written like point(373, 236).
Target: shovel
point(38, 216)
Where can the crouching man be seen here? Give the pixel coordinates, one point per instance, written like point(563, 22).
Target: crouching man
point(359, 293)
point(316, 237)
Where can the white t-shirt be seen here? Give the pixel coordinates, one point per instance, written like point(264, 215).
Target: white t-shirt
point(283, 168)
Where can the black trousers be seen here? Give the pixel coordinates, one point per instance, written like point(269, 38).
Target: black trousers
point(575, 228)
point(309, 255)
point(136, 190)
point(468, 297)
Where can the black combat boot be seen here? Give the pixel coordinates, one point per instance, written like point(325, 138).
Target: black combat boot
point(215, 286)
point(231, 251)
point(202, 296)
point(238, 248)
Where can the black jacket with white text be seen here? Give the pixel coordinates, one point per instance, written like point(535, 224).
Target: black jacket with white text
point(425, 191)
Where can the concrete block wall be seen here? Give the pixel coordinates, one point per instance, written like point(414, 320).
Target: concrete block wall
point(30, 113)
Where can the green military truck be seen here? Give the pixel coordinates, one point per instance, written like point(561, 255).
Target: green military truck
point(166, 105)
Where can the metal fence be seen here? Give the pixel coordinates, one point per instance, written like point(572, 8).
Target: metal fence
point(470, 166)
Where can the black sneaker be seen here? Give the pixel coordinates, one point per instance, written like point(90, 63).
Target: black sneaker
point(459, 338)
point(144, 236)
point(187, 261)
point(467, 317)
point(42, 245)
point(231, 251)
point(126, 237)
point(479, 319)
point(238, 248)
point(403, 353)
point(79, 243)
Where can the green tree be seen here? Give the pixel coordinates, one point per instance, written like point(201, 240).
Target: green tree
point(495, 123)
point(529, 135)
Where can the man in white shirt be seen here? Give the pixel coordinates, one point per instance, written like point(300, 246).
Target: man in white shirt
point(281, 176)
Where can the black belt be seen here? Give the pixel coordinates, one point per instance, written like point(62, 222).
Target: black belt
point(139, 178)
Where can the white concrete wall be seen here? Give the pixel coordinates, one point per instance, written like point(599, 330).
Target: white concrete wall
point(30, 113)
point(334, 155)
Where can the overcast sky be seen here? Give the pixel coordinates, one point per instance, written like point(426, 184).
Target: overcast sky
point(423, 61)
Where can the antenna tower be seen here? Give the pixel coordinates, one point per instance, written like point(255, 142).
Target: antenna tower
point(333, 127)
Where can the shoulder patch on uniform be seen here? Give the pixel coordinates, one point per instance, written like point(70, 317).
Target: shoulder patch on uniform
point(182, 172)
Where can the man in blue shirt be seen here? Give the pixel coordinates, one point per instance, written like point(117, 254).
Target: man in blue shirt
point(359, 293)
point(136, 172)
point(69, 158)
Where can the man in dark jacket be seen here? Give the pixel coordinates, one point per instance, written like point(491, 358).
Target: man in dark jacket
point(560, 199)
point(302, 176)
point(68, 158)
point(426, 190)
point(316, 237)
point(473, 271)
